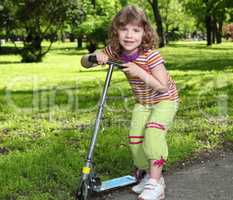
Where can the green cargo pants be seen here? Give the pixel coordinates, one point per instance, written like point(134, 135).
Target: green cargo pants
point(147, 136)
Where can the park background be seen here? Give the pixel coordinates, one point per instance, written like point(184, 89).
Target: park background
point(48, 102)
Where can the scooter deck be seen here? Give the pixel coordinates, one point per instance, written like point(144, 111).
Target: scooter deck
point(115, 183)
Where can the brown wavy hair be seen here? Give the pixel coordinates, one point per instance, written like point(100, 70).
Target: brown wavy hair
point(131, 15)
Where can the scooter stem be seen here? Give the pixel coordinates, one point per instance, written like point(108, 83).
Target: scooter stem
point(99, 116)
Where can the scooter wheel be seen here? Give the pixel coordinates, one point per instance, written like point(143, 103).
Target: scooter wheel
point(83, 191)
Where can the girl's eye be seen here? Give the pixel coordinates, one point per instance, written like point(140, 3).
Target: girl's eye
point(136, 30)
point(122, 28)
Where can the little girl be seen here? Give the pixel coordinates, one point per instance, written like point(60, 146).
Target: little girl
point(132, 41)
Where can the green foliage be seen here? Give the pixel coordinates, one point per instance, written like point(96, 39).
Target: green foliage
point(7, 19)
point(42, 172)
point(96, 21)
point(36, 20)
point(175, 18)
point(200, 8)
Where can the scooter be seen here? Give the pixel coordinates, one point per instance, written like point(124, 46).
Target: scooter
point(89, 182)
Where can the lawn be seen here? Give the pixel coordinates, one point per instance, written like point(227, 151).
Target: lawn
point(47, 111)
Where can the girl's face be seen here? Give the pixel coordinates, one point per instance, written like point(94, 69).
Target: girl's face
point(130, 37)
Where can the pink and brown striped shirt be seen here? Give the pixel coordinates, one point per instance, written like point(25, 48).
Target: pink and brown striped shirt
point(142, 92)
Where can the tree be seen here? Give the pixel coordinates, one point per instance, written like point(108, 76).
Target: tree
point(158, 20)
point(212, 13)
point(6, 17)
point(37, 20)
point(176, 22)
point(2, 22)
point(94, 26)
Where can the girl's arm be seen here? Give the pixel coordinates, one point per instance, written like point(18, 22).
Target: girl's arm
point(101, 57)
point(158, 80)
point(161, 75)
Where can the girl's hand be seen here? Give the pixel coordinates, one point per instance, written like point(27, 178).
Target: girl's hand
point(132, 69)
point(101, 57)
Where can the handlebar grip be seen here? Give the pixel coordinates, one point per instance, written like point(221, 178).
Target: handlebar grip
point(92, 58)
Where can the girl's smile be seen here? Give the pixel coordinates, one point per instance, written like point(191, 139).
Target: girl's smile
point(130, 37)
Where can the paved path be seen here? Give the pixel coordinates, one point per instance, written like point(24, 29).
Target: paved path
point(209, 180)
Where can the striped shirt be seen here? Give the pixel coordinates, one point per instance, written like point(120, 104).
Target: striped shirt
point(143, 93)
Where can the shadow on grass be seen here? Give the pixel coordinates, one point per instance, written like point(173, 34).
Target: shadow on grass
point(199, 46)
point(98, 69)
point(68, 47)
point(73, 98)
point(71, 53)
point(9, 62)
point(218, 64)
point(205, 60)
point(189, 45)
point(8, 50)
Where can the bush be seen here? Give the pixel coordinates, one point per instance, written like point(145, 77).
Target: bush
point(29, 56)
point(173, 36)
point(228, 31)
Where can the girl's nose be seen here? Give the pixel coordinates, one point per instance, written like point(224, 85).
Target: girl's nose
point(129, 34)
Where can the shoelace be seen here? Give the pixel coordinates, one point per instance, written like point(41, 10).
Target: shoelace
point(149, 186)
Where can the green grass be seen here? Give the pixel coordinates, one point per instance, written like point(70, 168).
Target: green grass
point(47, 111)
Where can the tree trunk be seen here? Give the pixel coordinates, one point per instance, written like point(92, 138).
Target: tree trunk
point(219, 33)
point(92, 46)
point(158, 20)
point(80, 42)
point(32, 50)
point(72, 37)
point(208, 22)
point(208, 29)
point(36, 43)
point(166, 37)
point(214, 30)
point(93, 2)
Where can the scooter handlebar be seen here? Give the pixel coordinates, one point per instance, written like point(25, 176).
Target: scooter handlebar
point(93, 59)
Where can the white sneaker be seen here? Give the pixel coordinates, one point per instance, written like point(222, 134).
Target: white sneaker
point(140, 186)
point(153, 190)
